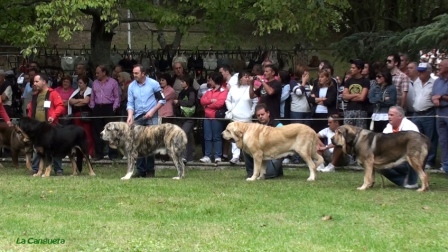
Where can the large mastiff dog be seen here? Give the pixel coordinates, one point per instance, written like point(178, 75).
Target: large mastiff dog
point(383, 151)
point(57, 141)
point(141, 141)
point(267, 143)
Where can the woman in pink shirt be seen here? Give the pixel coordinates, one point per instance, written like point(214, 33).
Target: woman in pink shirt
point(213, 100)
point(65, 90)
point(166, 83)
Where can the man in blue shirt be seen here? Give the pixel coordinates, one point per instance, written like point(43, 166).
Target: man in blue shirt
point(145, 98)
point(440, 100)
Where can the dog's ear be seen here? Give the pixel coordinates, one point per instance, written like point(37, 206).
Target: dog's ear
point(349, 133)
point(238, 133)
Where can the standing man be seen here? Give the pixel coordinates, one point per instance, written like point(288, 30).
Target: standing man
point(424, 110)
point(404, 62)
point(80, 70)
point(355, 93)
point(270, 91)
point(145, 98)
point(399, 79)
point(179, 71)
point(6, 93)
point(46, 106)
point(29, 89)
point(104, 101)
point(412, 73)
point(440, 100)
point(230, 79)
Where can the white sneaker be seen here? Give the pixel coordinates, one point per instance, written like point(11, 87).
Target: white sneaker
point(124, 158)
point(328, 168)
point(217, 160)
point(414, 186)
point(234, 160)
point(205, 159)
point(321, 167)
point(286, 161)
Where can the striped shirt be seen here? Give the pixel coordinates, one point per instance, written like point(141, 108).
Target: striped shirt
point(105, 93)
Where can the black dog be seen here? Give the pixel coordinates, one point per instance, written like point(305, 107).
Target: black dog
point(57, 141)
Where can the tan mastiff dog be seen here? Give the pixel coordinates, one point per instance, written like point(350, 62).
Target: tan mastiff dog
point(266, 143)
point(384, 151)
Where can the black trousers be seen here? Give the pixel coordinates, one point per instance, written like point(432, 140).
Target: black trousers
point(105, 113)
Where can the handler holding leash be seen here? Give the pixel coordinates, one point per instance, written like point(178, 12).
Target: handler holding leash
point(403, 174)
point(145, 98)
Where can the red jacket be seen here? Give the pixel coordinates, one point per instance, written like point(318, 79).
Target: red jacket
point(56, 109)
point(210, 108)
point(3, 113)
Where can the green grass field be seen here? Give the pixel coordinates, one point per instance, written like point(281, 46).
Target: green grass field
point(215, 209)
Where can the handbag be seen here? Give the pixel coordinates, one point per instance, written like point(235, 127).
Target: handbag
point(221, 113)
point(85, 116)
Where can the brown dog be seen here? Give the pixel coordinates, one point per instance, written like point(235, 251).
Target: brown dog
point(384, 151)
point(18, 142)
point(265, 143)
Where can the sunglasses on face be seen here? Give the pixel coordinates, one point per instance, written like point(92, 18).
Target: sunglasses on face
point(389, 61)
point(379, 76)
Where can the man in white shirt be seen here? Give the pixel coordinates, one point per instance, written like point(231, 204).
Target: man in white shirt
point(424, 111)
point(232, 80)
point(332, 155)
point(403, 174)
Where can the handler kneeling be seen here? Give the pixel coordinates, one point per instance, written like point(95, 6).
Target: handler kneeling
point(403, 174)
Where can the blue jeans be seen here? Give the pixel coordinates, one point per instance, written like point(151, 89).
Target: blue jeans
point(442, 129)
point(427, 126)
point(274, 168)
point(212, 137)
point(146, 164)
point(300, 116)
point(57, 163)
point(401, 175)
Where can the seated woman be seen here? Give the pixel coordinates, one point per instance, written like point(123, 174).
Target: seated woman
point(79, 102)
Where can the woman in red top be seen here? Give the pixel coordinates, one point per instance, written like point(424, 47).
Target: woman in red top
point(213, 100)
point(4, 115)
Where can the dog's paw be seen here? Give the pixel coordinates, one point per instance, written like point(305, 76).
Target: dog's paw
point(36, 175)
point(361, 188)
point(177, 178)
point(422, 189)
point(125, 178)
point(92, 174)
point(310, 179)
point(250, 179)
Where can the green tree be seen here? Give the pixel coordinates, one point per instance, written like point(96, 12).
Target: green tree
point(312, 19)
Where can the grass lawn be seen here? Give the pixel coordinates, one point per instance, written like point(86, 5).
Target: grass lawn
point(217, 210)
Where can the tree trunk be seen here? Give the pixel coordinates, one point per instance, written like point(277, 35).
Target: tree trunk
point(176, 41)
point(100, 43)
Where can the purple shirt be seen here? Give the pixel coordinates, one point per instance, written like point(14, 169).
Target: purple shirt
point(105, 93)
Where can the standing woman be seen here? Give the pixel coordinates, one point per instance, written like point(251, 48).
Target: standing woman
point(300, 107)
point(213, 100)
point(65, 90)
point(383, 95)
point(324, 98)
point(185, 106)
point(79, 102)
point(166, 83)
point(241, 106)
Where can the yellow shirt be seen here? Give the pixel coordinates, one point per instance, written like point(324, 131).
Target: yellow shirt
point(40, 110)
